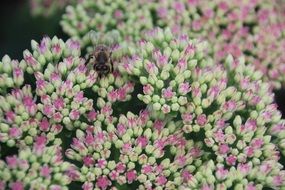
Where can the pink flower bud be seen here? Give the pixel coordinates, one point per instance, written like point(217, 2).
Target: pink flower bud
point(112, 96)
point(43, 47)
point(56, 49)
point(59, 103)
point(57, 117)
point(250, 186)
point(45, 171)
point(31, 61)
point(87, 186)
point(167, 93)
point(187, 118)
point(148, 89)
point(17, 185)
point(74, 114)
point(161, 180)
point(151, 68)
point(103, 182)
point(56, 128)
point(184, 88)
point(88, 161)
point(224, 149)
point(18, 73)
point(12, 161)
point(131, 176)
point(10, 116)
point(146, 169)
point(244, 168)
point(120, 167)
point(231, 160)
point(201, 120)
point(186, 176)
point(48, 110)
point(44, 124)
point(2, 185)
point(165, 109)
point(142, 141)
point(101, 163)
point(73, 44)
point(158, 125)
point(121, 94)
point(221, 173)
point(15, 132)
point(30, 105)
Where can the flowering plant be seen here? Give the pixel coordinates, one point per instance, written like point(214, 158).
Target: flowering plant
point(166, 118)
point(253, 29)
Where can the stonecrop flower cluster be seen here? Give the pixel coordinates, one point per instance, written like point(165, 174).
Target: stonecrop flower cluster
point(189, 104)
point(168, 117)
point(130, 18)
point(250, 28)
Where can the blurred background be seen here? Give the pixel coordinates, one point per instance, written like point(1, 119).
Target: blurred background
point(18, 27)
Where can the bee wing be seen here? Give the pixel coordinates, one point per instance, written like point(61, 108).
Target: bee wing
point(109, 38)
point(89, 62)
point(94, 37)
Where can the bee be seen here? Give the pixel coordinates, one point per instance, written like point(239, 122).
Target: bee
point(101, 60)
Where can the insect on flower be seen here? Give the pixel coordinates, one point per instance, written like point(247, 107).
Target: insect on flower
point(101, 60)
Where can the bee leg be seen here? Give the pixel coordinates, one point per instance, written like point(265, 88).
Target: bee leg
point(111, 62)
point(112, 66)
point(99, 74)
point(108, 70)
point(87, 60)
point(87, 65)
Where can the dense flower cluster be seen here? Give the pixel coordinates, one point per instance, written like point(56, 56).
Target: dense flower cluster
point(230, 109)
point(11, 73)
point(25, 107)
point(38, 168)
point(57, 96)
point(128, 17)
point(137, 150)
point(41, 96)
point(177, 112)
point(253, 28)
point(202, 126)
point(166, 73)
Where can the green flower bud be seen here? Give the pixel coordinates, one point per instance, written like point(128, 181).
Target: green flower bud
point(6, 61)
point(149, 149)
point(175, 107)
point(159, 84)
point(142, 178)
point(165, 163)
point(175, 55)
point(156, 106)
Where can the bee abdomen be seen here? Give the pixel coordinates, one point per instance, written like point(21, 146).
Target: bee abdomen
point(101, 67)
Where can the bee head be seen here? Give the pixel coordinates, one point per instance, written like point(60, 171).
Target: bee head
point(102, 53)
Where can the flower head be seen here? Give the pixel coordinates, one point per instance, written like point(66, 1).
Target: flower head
point(28, 169)
point(249, 28)
point(202, 126)
point(140, 146)
point(128, 18)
